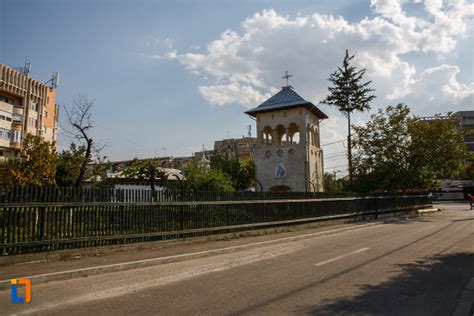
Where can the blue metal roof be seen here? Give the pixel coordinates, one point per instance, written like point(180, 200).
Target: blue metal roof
point(286, 98)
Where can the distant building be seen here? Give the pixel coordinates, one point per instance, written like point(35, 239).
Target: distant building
point(466, 119)
point(27, 106)
point(230, 148)
point(206, 154)
point(176, 162)
point(235, 147)
point(288, 155)
point(172, 163)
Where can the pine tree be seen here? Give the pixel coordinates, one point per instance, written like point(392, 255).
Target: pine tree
point(349, 94)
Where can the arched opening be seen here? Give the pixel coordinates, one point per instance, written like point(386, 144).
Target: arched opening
point(281, 134)
point(267, 135)
point(313, 136)
point(309, 135)
point(294, 133)
point(281, 188)
point(316, 137)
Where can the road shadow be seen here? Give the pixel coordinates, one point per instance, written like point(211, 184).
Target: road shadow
point(428, 287)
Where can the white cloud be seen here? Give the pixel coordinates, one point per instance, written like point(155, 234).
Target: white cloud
point(244, 67)
point(451, 95)
point(232, 93)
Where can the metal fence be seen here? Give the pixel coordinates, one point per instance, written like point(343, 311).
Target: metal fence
point(44, 219)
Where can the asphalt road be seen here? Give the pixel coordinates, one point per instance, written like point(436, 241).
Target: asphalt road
point(413, 267)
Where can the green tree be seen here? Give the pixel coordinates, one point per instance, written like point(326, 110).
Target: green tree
point(240, 170)
point(149, 170)
point(467, 171)
point(398, 152)
point(199, 178)
point(332, 184)
point(437, 147)
point(348, 93)
point(36, 164)
point(69, 164)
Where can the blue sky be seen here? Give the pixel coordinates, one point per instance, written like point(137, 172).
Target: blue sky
point(167, 74)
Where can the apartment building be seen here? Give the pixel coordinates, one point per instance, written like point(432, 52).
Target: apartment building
point(235, 147)
point(466, 119)
point(230, 148)
point(26, 106)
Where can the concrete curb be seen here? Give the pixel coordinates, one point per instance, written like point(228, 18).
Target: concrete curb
point(92, 271)
point(465, 306)
point(428, 210)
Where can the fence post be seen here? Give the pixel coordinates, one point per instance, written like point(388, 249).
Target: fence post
point(4, 228)
point(227, 214)
point(181, 212)
point(376, 206)
point(41, 223)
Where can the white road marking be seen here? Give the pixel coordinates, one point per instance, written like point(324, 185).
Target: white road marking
point(340, 257)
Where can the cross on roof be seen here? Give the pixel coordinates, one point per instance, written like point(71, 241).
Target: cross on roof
point(286, 76)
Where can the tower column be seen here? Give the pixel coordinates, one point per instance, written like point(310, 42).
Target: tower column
point(275, 137)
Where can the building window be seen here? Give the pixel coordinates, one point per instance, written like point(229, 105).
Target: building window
point(5, 134)
point(6, 116)
point(34, 105)
point(45, 114)
point(16, 137)
point(32, 122)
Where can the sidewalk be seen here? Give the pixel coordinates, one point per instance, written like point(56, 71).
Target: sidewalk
point(147, 254)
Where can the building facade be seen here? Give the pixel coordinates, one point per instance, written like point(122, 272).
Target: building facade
point(230, 148)
point(287, 154)
point(27, 106)
point(235, 147)
point(466, 119)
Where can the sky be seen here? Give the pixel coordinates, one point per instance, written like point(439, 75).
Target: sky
point(169, 77)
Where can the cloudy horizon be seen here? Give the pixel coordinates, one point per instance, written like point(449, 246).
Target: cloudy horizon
point(203, 76)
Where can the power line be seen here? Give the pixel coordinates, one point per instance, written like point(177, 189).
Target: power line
point(335, 158)
point(337, 153)
point(334, 167)
point(339, 141)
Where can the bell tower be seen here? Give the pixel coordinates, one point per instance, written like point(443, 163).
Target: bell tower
point(288, 155)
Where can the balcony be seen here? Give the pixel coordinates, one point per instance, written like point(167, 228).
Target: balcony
point(7, 107)
point(15, 145)
point(18, 109)
point(17, 118)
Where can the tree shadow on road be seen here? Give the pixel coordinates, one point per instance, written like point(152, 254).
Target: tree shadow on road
point(428, 287)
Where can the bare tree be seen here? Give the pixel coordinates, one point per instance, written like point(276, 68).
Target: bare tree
point(79, 118)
